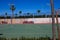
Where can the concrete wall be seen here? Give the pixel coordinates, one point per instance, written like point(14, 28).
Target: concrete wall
point(42, 20)
point(36, 20)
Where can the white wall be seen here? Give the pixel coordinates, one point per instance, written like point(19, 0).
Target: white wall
point(36, 20)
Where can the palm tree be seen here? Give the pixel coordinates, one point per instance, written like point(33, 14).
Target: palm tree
point(28, 14)
point(53, 20)
point(16, 14)
point(12, 9)
point(20, 12)
point(5, 16)
point(38, 11)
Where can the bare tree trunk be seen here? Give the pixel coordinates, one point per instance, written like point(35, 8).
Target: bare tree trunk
point(57, 26)
point(53, 21)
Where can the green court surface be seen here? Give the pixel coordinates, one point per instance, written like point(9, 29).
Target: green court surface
point(26, 30)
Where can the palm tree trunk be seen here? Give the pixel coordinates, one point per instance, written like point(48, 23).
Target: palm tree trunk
point(53, 20)
point(57, 26)
point(12, 17)
point(33, 17)
point(6, 18)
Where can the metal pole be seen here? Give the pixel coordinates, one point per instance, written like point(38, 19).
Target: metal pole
point(57, 25)
point(53, 20)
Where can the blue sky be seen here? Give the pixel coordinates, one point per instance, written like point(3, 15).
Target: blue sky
point(28, 6)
